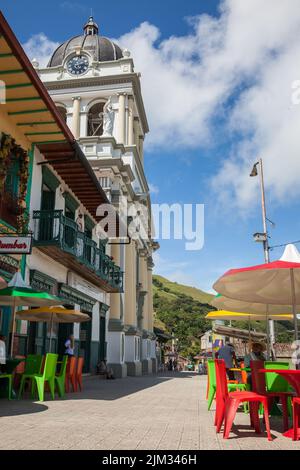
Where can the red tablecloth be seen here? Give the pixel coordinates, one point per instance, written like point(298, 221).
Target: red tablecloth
point(293, 378)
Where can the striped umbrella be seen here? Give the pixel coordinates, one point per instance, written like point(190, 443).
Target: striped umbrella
point(276, 283)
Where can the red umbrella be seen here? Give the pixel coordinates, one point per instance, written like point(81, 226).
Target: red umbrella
point(276, 283)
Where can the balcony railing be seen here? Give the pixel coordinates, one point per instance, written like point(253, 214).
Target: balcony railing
point(53, 228)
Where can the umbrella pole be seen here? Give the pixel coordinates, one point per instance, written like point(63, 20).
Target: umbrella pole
point(268, 334)
point(294, 304)
point(51, 326)
point(13, 328)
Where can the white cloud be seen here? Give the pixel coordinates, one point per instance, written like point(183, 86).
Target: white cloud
point(240, 68)
point(40, 47)
point(74, 7)
point(237, 68)
point(175, 271)
point(153, 188)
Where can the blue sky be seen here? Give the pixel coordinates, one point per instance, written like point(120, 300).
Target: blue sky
point(217, 86)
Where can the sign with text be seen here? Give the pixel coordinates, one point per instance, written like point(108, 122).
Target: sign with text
point(15, 244)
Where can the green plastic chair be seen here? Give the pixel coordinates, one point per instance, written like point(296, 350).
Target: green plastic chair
point(61, 377)
point(33, 364)
point(277, 383)
point(9, 379)
point(211, 371)
point(39, 380)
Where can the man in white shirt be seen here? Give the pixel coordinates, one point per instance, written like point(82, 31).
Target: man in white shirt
point(69, 345)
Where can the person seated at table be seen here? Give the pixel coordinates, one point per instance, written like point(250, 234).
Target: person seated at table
point(256, 354)
point(227, 353)
point(2, 352)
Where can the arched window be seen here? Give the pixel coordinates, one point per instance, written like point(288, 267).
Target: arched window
point(63, 112)
point(95, 120)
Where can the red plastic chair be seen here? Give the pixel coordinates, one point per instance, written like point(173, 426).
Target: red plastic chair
point(71, 374)
point(78, 377)
point(259, 386)
point(228, 403)
point(296, 416)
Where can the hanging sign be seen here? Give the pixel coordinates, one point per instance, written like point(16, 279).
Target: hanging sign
point(15, 244)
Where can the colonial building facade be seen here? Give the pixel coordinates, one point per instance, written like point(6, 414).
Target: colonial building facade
point(49, 190)
point(61, 159)
point(98, 93)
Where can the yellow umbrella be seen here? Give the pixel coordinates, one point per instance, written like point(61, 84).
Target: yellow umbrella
point(226, 315)
point(236, 316)
point(52, 315)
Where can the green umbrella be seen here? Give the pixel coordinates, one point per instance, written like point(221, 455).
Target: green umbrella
point(18, 293)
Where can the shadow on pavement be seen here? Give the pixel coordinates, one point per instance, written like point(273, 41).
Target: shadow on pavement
point(242, 431)
point(20, 407)
point(94, 388)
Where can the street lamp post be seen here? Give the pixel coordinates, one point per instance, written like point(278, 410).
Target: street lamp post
point(264, 238)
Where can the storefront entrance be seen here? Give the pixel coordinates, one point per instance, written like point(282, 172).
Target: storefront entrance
point(85, 334)
point(64, 331)
point(102, 337)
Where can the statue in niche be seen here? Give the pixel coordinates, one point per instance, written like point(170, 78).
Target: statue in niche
point(108, 118)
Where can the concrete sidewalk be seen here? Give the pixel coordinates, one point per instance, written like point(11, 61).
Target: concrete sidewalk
point(164, 412)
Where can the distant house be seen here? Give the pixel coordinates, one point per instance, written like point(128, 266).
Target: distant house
point(206, 341)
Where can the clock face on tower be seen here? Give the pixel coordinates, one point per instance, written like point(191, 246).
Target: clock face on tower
point(78, 65)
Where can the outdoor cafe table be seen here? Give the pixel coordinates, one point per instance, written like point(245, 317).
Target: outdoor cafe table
point(8, 368)
point(293, 378)
point(11, 364)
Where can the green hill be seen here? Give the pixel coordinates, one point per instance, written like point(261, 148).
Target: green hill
point(176, 288)
point(180, 310)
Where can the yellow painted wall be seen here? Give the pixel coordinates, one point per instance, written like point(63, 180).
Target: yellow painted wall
point(8, 127)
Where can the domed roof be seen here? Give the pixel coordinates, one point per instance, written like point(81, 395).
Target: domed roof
point(100, 48)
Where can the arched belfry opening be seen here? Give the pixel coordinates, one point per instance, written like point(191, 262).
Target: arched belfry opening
point(95, 120)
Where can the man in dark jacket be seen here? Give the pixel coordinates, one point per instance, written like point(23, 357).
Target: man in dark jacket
point(227, 353)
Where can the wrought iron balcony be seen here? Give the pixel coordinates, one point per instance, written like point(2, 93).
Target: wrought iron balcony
point(59, 237)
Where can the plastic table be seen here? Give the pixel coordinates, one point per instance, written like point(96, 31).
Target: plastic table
point(293, 378)
point(8, 368)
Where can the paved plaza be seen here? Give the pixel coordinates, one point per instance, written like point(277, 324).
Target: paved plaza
point(162, 412)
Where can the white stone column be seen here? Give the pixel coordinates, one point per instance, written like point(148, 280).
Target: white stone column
point(130, 285)
point(115, 336)
point(130, 136)
point(136, 128)
point(150, 315)
point(121, 118)
point(134, 366)
point(76, 117)
point(150, 299)
point(144, 282)
point(141, 148)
